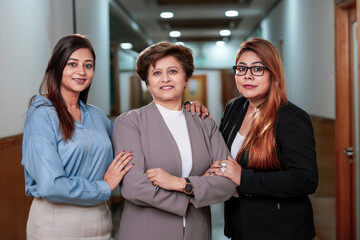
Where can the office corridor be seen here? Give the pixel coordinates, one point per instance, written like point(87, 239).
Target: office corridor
point(317, 41)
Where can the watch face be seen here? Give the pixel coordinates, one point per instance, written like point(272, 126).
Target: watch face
point(188, 188)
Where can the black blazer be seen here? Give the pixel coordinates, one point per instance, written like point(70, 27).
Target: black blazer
point(274, 204)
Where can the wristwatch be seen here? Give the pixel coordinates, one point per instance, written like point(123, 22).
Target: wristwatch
point(188, 188)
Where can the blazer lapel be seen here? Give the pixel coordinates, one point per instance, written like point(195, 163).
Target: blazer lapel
point(168, 135)
point(237, 119)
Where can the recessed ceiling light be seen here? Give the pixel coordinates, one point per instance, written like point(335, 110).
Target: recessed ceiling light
point(231, 13)
point(175, 34)
point(166, 15)
point(225, 32)
point(220, 43)
point(126, 45)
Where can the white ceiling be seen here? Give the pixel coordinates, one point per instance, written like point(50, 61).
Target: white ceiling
point(139, 22)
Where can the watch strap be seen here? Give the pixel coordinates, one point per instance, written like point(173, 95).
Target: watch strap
point(188, 188)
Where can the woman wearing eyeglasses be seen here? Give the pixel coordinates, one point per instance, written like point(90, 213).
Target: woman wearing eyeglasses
point(273, 152)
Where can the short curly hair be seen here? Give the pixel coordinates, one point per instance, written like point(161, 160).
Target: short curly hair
point(151, 54)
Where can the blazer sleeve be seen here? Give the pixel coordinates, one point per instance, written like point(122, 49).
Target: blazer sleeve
point(213, 189)
point(135, 186)
point(299, 175)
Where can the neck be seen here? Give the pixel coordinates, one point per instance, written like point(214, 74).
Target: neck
point(252, 107)
point(254, 104)
point(71, 99)
point(176, 106)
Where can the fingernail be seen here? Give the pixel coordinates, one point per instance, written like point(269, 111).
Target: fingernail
point(130, 151)
point(123, 150)
point(132, 164)
point(131, 155)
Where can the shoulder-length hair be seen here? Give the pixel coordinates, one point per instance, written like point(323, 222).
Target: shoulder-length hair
point(50, 86)
point(260, 143)
point(151, 54)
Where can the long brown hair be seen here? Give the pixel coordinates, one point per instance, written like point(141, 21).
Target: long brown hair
point(50, 86)
point(260, 143)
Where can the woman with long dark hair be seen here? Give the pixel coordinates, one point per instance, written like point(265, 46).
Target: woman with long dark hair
point(67, 150)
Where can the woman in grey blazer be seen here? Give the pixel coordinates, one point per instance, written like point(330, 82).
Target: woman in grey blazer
point(168, 192)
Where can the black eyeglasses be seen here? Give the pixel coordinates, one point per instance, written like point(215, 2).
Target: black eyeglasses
point(255, 70)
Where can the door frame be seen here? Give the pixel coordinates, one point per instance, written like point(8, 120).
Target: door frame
point(345, 208)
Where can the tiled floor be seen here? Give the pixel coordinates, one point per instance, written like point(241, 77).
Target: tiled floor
point(217, 222)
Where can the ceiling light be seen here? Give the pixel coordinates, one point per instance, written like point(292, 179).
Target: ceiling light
point(231, 13)
point(166, 15)
point(126, 45)
point(225, 32)
point(180, 43)
point(175, 34)
point(220, 43)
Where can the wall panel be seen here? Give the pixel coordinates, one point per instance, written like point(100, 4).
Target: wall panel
point(14, 204)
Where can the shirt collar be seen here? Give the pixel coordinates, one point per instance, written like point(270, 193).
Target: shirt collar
point(84, 111)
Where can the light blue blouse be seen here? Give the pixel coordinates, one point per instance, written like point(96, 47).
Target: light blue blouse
point(72, 171)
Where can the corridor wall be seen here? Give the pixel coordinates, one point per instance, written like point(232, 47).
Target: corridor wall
point(29, 30)
point(92, 18)
point(303, 31)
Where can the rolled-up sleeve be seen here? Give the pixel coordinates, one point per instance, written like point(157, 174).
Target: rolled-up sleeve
point(213, 189)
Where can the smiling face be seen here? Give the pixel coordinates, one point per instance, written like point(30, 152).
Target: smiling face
point(254, 88)
point(78, 72)
point(166, 82)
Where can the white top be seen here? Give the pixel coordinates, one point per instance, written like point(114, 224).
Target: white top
point(236, 145)
point(175, 121)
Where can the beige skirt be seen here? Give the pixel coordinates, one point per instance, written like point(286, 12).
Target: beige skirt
point(49, 220)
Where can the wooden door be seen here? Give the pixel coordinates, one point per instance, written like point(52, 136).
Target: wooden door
point(228, 86)
point(345, 16)
point(196, 90)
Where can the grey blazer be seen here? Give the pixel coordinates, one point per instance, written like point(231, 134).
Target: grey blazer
point(150, 212)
